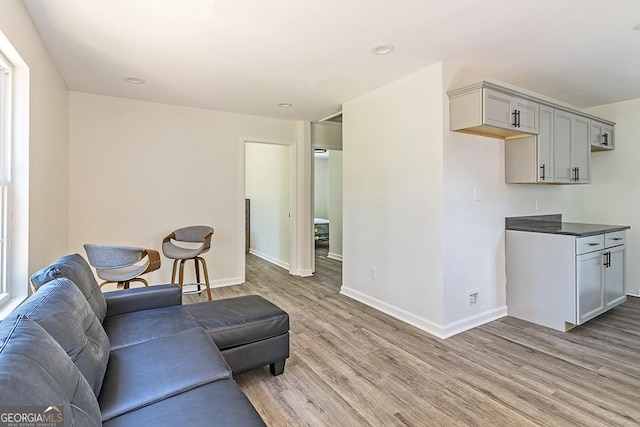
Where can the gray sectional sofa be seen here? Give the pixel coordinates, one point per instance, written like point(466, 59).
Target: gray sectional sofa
point(135, 357)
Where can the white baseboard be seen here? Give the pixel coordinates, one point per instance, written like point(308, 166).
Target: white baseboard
point(304, 272)
point(454, 328)
point(440, 331)
point(337, 257)
point(231, 281)
point(269, 258)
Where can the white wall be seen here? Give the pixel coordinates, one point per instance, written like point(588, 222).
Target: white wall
point(335, 204)
point(409, 206)
point(474, 248)
point(267, 185)
point(393, 182)
point(138, 170)
point(612, 197)
point(48, 139)
point(321, 186)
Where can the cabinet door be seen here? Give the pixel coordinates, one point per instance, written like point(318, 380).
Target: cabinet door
point(608, 136)
point(498, 109)
point(545, 145)
point(614, 277)
point(590, 284)
point(581, 149)
point(601, 136)
point(562, 136)
point(529, 115)
point(596, 133)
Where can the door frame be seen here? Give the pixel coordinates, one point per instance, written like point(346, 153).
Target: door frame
point(293, 180)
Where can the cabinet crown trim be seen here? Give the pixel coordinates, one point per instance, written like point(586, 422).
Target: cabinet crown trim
point(488, 85)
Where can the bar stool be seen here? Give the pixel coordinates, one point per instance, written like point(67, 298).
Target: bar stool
point(179, 246)
point(122, 264)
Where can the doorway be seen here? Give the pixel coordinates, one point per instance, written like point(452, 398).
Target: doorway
point(328, 203)
point(269, 201)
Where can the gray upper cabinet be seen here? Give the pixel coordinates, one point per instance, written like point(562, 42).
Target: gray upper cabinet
point(488, 110)
point(545, 143)
point(510, 112)
point(602, 136)
point(571, 148)
point(529, 160)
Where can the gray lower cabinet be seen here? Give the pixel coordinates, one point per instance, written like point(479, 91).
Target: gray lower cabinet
point(561, 281)
point(600, 277)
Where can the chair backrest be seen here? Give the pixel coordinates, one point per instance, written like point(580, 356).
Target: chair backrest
point(112, 256)
point(192, 234)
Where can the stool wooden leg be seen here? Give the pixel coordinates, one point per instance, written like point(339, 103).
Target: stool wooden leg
point(181, 274)
point(206, 275)
point(197, 267)
point(173, 271)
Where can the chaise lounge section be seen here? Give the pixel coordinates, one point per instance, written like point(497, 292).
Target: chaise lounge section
point(135, 357)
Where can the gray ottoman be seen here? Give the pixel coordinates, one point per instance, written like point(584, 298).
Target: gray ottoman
point(249, 331)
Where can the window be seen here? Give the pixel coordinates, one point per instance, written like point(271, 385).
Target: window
point(5, 173)
point(14, 177)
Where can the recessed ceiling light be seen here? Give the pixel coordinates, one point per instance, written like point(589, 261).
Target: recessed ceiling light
point(383, 49)
point(637, 27)
point(285, 105)
point(134, 80)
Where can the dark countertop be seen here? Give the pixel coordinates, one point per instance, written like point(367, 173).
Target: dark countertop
point(552, 224)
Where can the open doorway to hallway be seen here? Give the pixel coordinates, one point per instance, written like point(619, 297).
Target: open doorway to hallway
point(269, 194)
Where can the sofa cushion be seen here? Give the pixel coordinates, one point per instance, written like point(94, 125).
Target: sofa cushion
point(151, 371)
point(140, 326)
point(35, 370)
point(237, 321)
point(61, 309)
point(219, 404)
point(75, 268)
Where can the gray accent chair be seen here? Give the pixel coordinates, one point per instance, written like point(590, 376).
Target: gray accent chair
point(176, 246)
point(122, 264)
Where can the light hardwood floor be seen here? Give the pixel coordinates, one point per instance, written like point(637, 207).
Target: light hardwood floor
point(351, 365)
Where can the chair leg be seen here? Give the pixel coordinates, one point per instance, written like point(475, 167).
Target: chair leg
point(197, 268)
point(181, 274)
point(206, 275)
point(139, 279)
point(173, 271)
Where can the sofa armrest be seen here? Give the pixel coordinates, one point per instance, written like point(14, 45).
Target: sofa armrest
point(137, 299)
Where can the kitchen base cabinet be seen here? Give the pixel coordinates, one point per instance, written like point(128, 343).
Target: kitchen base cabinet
point(561, 281)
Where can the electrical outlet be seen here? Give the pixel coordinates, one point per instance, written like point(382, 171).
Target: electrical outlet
point(373, 273)
point(472, 298)
point(537, 205)
point(476, 196)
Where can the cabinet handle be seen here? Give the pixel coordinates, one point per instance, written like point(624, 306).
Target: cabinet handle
point(605, 138)
point(575, 174)
point(578, 173)
point(593, 244)
point(518, 116)
point(607, 259)
point(542, 178)
point(616, 238)
point(515, 119)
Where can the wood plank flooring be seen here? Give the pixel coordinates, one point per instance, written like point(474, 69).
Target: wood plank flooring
point(351, 365)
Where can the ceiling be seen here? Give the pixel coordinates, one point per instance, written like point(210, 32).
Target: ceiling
point(247, 56)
